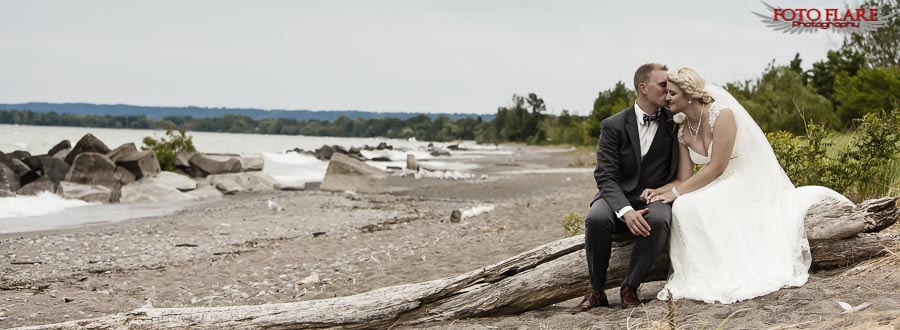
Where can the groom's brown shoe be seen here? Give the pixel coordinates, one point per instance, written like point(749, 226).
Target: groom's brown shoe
point(592, 299)
point(629, 297)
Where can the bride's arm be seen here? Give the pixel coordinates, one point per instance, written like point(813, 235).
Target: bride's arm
point(723, 144)
point(685, 170)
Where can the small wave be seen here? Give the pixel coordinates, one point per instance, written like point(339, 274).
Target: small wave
point(43, 203)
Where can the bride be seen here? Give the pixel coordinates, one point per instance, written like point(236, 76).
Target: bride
point(737, 229)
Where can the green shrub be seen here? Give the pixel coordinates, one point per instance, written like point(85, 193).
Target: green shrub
point(864, 168)
point(166, 149)
point(573, 224)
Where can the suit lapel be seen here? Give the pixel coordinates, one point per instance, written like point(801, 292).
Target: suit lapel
point(632, 130)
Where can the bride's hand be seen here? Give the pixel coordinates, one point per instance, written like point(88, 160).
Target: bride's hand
point(648, 194)
point(666, 197)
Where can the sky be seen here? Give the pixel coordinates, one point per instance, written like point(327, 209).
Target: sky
point(459, 56)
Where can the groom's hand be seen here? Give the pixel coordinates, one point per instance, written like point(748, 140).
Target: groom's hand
point(648, 194)
point(636, 223)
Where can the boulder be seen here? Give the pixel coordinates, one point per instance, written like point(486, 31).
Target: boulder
point(88, 143)
point(54, 168)
point(251, 164)
point(325, 152)
point(205, 192)
point(19, 166)
point(65, 144)
point(383, 146)
point(94, 169)
point(439, 152)
point(39, 185)
point(19, 154)
point(242, 182)
point(345, 173)
point(62, 154)
point(313, 185)
point(149, 191)
point(183, 159)
point(9, 181)
point(6, 193)
point(88, 193)
point(411, 162)
point(122, 151)
point(124, 176)
point(142, 163)
point(381, 159)
point(174, 180)
point(209, 166)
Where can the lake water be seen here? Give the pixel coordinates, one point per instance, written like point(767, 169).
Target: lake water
point(289, 168)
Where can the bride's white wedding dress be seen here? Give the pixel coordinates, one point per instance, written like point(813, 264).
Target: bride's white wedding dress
point(741, 236)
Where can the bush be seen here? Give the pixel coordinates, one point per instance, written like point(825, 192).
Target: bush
point(866, 168)
point(166, 149)
point(573, 224)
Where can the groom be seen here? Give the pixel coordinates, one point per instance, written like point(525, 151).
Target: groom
point(637, 151)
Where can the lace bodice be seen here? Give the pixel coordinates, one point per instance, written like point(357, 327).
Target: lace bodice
point(714, 110)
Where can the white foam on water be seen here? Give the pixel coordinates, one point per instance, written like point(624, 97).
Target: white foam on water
point(44, 203)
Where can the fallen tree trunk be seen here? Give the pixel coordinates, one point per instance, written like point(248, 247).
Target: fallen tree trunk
point(542, 276)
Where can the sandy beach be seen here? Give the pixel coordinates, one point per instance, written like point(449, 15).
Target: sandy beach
point(238, 251)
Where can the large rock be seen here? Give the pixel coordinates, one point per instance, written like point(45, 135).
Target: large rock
point(142, 164)
point(149, 191)
point(210, 166)
point(122, 151)
point(88, 143)
point(19, 154)
point(39, 185)
point(174, 180)
point(17, 166)
point(54, 168)
point(9, 181)
point(183, 158)
point(252, 164)
point(345, 173)
point(325, 152)
point(205, 192)
point(88, 193)
point(94, 169)
point(65, 144)
point(230, 184)
point(248, 163)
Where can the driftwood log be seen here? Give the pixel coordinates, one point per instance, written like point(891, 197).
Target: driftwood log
point(839, 235)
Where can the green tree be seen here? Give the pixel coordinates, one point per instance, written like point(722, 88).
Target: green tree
point(880, 47)
point(870, 91)
point(608, 103)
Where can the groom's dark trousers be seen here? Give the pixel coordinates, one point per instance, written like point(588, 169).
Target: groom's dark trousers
point(621, 175)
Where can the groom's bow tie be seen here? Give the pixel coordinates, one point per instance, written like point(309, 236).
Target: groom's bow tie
point(649, 118)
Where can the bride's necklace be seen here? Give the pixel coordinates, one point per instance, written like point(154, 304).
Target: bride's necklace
point(696, 131)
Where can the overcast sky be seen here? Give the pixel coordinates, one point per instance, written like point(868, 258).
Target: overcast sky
point(387, 56)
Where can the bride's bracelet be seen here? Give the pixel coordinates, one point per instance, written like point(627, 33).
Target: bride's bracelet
point(675, 192)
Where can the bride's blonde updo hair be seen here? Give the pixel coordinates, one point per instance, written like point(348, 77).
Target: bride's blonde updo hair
point(691, 82)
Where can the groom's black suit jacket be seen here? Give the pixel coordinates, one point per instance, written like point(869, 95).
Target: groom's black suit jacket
point(621, 174)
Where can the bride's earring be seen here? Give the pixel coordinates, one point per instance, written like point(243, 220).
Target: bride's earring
point(689, 101)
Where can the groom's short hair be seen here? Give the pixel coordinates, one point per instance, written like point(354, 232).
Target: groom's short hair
point(643, 73)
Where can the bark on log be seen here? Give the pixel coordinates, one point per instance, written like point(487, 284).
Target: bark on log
point(542, 276)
